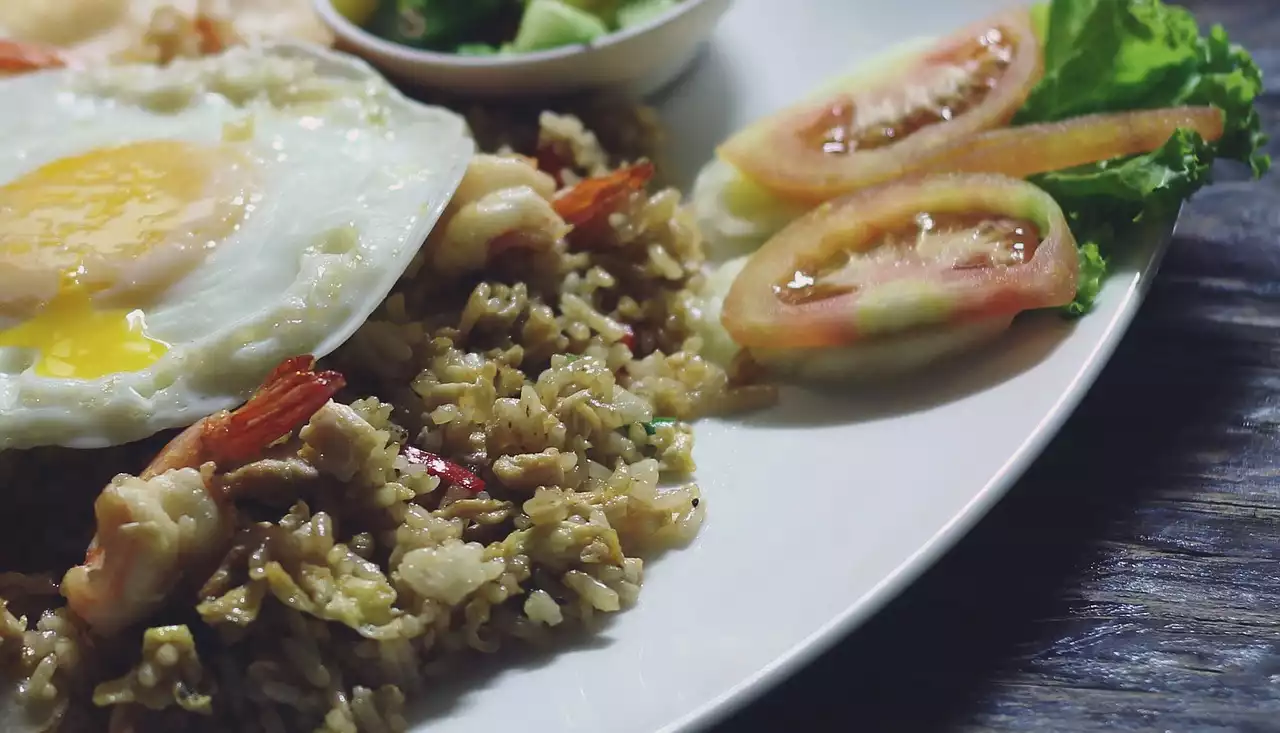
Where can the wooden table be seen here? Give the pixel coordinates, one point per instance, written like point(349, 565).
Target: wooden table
point(1131, 578)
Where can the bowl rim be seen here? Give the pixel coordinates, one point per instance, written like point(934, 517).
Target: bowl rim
point(346, 30)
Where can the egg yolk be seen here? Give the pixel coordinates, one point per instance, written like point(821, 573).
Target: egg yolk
point(120, 225)
point(74, 340)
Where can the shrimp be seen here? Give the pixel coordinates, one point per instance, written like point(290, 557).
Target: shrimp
point(18, 57)
point(589, 201)
point(173, 34)
point(502, 203)
point(176, 513)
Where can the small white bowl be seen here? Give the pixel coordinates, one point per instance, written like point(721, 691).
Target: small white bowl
point(637, 60)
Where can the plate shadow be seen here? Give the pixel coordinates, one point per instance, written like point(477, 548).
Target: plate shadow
point(1029, 341)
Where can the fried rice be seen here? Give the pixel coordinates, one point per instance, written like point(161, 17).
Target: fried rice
point(563, 376)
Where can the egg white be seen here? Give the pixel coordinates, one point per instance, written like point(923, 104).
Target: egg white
point(353, 176)
point(95, 32)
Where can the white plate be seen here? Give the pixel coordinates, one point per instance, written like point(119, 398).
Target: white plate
point(822, 509)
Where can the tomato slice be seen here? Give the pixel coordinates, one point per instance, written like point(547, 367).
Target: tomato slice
point(878, 358)
point(1032, 149)
point(910, 254)
point(861, 131)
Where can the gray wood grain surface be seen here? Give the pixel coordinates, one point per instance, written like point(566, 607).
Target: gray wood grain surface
point(1130, 580)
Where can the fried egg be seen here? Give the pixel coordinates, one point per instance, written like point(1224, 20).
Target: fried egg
point(96, 31)
point(169, 234)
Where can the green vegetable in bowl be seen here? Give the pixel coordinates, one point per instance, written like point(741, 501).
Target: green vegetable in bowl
point(605, 10)
point(356, 11)
point(498, 27)
point(438, 24)
point(638, 12)
point(552, 23)
point(477, 49)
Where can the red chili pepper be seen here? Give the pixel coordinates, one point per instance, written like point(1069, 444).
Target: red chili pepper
point(444, 469)
point(629, 340)
point(211, 38)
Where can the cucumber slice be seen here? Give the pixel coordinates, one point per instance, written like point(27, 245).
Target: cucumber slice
point(643, 11)
point(357, 11)
point(552, 23)
point(477, 49)
point(605, 10)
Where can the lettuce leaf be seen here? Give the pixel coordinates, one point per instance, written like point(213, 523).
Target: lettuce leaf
point(1122, 191)
point(1116, 55)
point(1105, 203)
point(1093, 268)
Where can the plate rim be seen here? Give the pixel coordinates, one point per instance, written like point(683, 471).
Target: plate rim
point(1145, 267)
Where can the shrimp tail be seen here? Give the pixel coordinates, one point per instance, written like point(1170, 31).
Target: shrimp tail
point(600, 196)
point(291, 394)
point(19, 56)
point(150, 528)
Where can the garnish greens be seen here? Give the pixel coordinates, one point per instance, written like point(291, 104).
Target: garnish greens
point(1117, 55)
